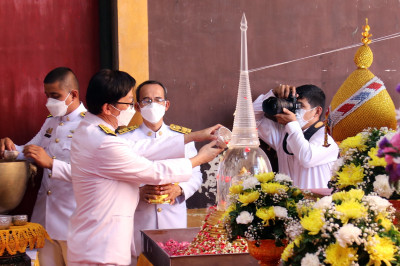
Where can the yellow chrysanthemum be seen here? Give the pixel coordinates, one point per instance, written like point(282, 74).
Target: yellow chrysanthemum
point(265, 177)
point(351, 209)
point(248, 197)
point(296, 192)
point(350, 175)
point(230, 208)
point(312, 221)
point(358, 142)
point(337, 255)
point(380, 250)
point(236, 189)
point(287, 252)
point(274, 188)
point(353, 194)
point(385, 222)
point(375, 160)
point(266, 214)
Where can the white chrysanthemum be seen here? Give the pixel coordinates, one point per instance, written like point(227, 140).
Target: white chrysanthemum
point(323, 203)
point(250, 183)
point(282, 178)
point(382, 186)
point(280, 212)
point(336, 166)
point(348, 234)
point(310, 260)
point(380, 203)
point(244, 218)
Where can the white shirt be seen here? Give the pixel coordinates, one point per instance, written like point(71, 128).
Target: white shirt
point(106, 173)
point(163, 216)
point(55, 200)
point(311, 163)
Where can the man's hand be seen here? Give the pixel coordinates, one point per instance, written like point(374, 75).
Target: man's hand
point(6, 144)
point(206, 154)
point(149, 192)
point(40, 156)
point(202, 135)
point(283, 91)
point(285, 117)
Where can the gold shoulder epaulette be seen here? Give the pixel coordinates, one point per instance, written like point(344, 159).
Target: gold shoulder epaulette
point(180, 129)
point(49, 116)
point(127, 129)
point(82, 114)
point(107, 130)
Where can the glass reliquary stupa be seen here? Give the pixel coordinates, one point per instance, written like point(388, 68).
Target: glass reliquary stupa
point(244, 155)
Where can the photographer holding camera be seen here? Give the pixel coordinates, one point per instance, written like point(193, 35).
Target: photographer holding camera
point(289, 119)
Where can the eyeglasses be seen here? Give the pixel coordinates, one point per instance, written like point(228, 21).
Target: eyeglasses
point(131, 105)
point(147, 101)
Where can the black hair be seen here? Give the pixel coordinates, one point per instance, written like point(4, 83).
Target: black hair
point(314, 95)
point(150, 82)
point(64, 75)
point(107, 86)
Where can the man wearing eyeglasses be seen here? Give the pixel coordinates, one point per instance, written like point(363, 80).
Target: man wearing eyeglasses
point(152, 212)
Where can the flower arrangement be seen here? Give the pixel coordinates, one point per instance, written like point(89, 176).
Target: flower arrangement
point(346, 228)
point(360, 167)
point(262, 207)
point(389, 149)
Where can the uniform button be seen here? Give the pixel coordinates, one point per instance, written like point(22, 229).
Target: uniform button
point(72, 131)
point(160, 133)
point(53, 157)
point(159, 209)
point(61, 124)
point(57, 140)
point(48, 192)
point(149, 133)
point(49, 174)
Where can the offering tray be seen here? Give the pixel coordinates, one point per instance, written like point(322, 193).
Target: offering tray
point(157, 256)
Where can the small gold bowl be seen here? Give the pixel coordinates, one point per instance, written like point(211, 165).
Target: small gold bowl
point(160, 199)
point(5, 222)
point(21, 219)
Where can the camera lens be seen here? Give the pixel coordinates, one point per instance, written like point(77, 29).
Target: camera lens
point(273, 106)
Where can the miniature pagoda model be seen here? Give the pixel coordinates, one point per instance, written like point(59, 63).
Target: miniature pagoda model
point(244, 155)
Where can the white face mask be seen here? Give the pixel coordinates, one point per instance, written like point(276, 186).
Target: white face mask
point(153, 112)
point(57, 107)
point(300, 116)
point(124, 116)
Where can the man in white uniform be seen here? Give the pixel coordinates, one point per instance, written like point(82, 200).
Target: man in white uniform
point(298, 138)
point(152, 104)
point(107, 171)
point(50, 149)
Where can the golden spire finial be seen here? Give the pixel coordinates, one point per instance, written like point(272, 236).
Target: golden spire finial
point(366, 33)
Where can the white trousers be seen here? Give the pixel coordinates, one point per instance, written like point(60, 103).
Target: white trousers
point(53, 254)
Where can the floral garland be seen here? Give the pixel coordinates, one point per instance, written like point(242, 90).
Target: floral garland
point(346, 228)
point(262, 207)
point(360, 167)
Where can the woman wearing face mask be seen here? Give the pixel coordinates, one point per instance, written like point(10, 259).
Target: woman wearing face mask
point(107, 171)
point(298, 138)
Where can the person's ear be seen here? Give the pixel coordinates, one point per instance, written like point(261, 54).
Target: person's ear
point(106, 109)
point(75, 94)
point(167, 104)
point(319, 111)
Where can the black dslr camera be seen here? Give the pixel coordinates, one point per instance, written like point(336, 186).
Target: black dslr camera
point(273, 105)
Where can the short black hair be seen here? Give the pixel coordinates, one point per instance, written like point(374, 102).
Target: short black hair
point(150, 82)
point(62, 75)
point(314, 95)
point(107, 86)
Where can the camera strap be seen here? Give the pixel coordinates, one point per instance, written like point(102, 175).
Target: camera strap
point(307, 135)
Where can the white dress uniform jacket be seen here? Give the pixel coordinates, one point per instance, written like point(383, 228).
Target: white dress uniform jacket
point(311, 163)
point(55, 201)
point(163, 216)
point(106, 173)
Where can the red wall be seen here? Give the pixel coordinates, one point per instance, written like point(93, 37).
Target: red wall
point(35, 37)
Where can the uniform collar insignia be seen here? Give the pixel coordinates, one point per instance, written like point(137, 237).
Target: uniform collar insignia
point(180, 129)
point(107, 130)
